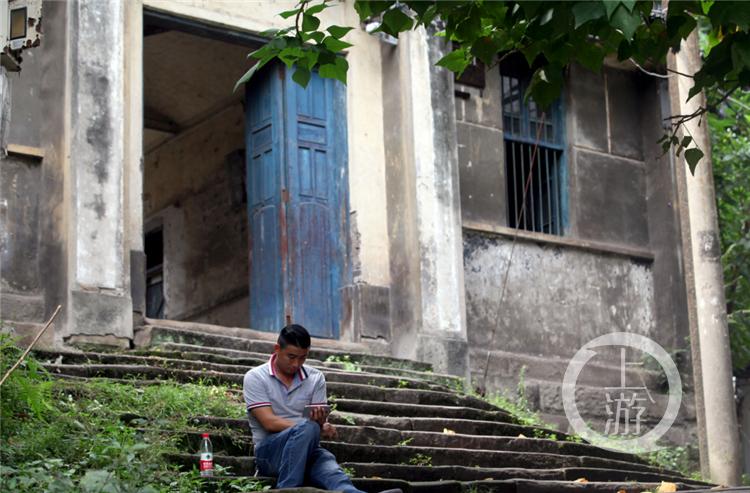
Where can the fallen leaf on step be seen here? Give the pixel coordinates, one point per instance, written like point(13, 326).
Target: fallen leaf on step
point(581, 480)
point(448, 432)
point(666, 487)
point(621, 491)
point(521, 435)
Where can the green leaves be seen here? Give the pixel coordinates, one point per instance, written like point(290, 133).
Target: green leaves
point(692, 156)
point(455, 61)
point(339, 32)
point(395, 21)
point(304, 47)
point(584, 12)
point(546, 84)
point(335, 45)
point(301, 76)
point(336, 70)
point(627, 21)
point(310, 22)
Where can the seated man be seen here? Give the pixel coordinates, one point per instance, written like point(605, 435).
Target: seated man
point(286, 444)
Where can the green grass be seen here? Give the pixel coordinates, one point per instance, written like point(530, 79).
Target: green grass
point(346, 362)
point(60, 436)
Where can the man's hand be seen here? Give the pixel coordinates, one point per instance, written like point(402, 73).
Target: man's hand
point(319, 415)
point(327, 430)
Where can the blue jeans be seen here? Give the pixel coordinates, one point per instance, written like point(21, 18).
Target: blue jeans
point(295, 455)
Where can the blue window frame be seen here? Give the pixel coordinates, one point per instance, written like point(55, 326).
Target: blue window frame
point(532, 136)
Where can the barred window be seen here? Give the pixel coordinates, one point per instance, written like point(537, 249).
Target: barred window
point(534, 157)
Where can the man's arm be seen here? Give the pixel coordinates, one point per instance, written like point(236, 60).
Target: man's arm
point(269, 421)
point(258, 403)
point(319, 397)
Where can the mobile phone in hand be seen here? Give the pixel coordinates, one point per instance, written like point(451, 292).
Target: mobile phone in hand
point(306, 412)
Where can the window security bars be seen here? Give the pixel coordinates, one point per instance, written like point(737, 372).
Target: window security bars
point(533, 155)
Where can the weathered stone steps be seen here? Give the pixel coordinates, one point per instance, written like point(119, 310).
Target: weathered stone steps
point(391, 418)
point(391, 401)
point(506, 486)
point(526, 454)
point(402, 423)
point(516, 479)
point(231, 356)
point(464, 473)
point(240, 444)
point(347, 452)
point(333, 375)
point(155, 335)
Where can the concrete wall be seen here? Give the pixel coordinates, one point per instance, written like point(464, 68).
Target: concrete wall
point(743, 417)
point(20, 287)
point(556, 299)
point(603, 275)
point(188, 192)
point(21, 297)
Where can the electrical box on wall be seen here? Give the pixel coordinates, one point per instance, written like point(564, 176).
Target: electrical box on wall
point(20, 29)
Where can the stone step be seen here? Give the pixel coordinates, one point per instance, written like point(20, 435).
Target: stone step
point(145, 372)
point(388, 436)
point(463, 426)
point(439, 456)
point(241, 444)
point(391, 398)
point(370, 485)
point(333, 375)
point(463, 473)
point(156, 335)
point(235, 357)
point(434, 456)
point(263, 335)
point(401, 410)
point(530, 480)
point(359, 406)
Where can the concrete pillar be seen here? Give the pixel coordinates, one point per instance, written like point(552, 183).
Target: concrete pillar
point(432, 202)
point(705, 284)
point(99, 303)
point(133, 155)
point(743, 390)
point(4, 110)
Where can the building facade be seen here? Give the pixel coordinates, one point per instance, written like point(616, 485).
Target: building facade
point(442, 219)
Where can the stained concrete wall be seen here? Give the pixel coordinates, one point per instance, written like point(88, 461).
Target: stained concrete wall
point(26, 104)
point(188, 192)
point(21, 297)
point(617, 266)
point(743, 417)
point(20, 287)
point(481, 155)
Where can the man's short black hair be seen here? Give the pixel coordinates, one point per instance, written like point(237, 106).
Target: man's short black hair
point(294, 335)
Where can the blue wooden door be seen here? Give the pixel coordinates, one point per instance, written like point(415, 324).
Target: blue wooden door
point(297, 201)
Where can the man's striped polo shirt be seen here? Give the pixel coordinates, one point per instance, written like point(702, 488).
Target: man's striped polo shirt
point(262, 387)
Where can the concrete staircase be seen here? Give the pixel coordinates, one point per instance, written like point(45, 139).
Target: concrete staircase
point(399, 424)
